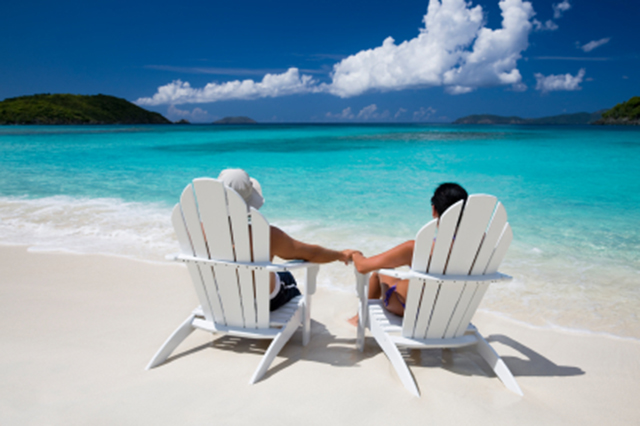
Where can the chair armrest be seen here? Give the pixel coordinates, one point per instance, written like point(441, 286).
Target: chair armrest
point(271, 267)
point(406, 275)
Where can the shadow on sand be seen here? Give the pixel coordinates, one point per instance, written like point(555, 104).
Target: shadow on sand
point(466, 361)
point(323, 347)
point(327, 348)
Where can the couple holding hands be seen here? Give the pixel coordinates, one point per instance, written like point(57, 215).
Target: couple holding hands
point(283, 286)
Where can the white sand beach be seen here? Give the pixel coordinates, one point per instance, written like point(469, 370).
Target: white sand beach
point(77, 331)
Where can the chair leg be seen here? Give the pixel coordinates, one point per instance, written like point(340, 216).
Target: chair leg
point(306, 322)
point(395, 357)
point(181, 333)
point(497, 364)
point(362, 286)
point(311, 274)
point(276, 345)
point(361, 329)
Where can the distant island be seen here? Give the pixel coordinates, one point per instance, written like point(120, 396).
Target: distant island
point(235, 120)
point(566, 119)
point(626, 113)
point(75, 109)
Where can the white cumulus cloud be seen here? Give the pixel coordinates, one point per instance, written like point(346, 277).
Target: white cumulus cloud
point(549, 25)
point(370, 112)
point(560, 8)
point(454, 50)
point(553, 83)
point(197, 115)
point(272, 85)
point(595, 43)
point(399, 112)
point(346, 114)
point(367, 112)
point(423, 114)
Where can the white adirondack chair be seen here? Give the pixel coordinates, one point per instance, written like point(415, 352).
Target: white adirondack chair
point(446, 286)
point(226, 250)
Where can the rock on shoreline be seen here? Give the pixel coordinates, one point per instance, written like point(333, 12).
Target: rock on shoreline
point(626, 114)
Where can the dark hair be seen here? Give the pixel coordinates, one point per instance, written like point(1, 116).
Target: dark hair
point(446, 195)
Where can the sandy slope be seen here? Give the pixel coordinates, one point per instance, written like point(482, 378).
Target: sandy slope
point(77, 330)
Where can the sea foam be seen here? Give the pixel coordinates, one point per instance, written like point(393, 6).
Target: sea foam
point(88, 225)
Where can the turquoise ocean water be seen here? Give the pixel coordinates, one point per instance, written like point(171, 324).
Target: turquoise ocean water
point(572, 195)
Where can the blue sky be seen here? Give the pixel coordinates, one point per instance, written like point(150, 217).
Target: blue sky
point(328, 61)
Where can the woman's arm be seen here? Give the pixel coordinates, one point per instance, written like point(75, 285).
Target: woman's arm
point(282, 245)
point(400, 255)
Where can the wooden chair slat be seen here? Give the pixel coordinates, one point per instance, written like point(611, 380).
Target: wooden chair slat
point(238, 216)
point(261, 237)
point(490, 239)
point(461, 308)
point(442, 247)
point(212, 205)
point(423, 246)
point(473, 224)
point(181, 230)
point(480, 289)
point(500, 251)
point(448, 297)
point(425, 311)
point(414, 297)
point(192, 222)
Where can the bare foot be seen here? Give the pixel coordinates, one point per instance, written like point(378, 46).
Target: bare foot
point(353, 320)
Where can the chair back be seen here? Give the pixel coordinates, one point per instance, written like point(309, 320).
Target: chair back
point(213, 222)
point(469, 240)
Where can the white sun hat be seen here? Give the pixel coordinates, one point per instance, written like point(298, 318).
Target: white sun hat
point(243, 184)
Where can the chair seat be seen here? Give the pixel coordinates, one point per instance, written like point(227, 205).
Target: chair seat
point(391, 324)
point(279, 318)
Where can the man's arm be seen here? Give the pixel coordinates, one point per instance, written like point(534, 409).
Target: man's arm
point(285, 247)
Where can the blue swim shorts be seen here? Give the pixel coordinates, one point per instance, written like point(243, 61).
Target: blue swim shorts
point(288, 290)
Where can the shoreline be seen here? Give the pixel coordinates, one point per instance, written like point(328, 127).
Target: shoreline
point(583, 332)
point(79, 329)
point(334, 272)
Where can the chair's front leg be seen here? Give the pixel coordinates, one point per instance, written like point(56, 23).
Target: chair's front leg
point(362, 288)
point(181, 333)
point(497, 364)
point(311, 274)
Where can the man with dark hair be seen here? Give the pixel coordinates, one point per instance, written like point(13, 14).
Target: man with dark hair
point(446, 195)
point(394, 289)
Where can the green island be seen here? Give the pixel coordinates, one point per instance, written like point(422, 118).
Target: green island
point(626, 113)
point(75, 109)
point(566, 119)
point(104, 109)
point(235, 120)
